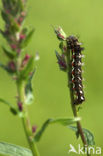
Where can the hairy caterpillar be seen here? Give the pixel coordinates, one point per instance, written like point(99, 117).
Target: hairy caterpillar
point(76, 49)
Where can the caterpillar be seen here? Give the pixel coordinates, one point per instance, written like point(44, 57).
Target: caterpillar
point(76, 63)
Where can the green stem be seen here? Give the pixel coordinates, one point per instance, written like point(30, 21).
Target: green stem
point(25, 118)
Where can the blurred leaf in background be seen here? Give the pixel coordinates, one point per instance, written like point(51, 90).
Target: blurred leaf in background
point(83, 18)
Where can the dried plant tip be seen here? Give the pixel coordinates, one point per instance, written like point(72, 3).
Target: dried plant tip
point(61, 61)
point(60, 33)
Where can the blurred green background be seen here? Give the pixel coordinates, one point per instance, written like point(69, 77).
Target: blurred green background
point(78, 17)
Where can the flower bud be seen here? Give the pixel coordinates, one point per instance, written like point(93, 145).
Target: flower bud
point(22, 36)
point(21, 18)
point(11, 66)
point(18, 50)
point(23, 13)
point(7, 11)
point(13, 46)
point(25, 60)
point(20, 106)
point(34, 128)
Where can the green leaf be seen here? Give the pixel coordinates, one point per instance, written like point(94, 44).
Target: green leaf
point(25, 42)
point(79, 108)
point(14, 150)
point(88, 135)
point(5, 16)
point(25, 73)
point(12, 108)
point(62, 121)
point(8, 18)
point(14, 27)
point(20, 4)
point(29, 90)
point(61, 46)
point(29, 97)
point(8, 53)
point(3, 66)
point(24, 30)
point(6, 69)
point(2, 32)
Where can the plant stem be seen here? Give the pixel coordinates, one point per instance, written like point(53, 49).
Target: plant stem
point(70, 85)
point(32, 145)
point(25, 118)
